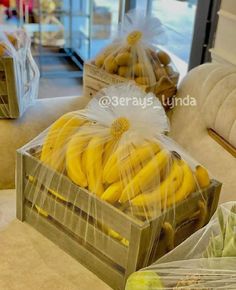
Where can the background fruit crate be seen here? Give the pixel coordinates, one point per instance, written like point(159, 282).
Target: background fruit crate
point(10, 93)
point(9, 106)
point(107, 257)
point(95, 79)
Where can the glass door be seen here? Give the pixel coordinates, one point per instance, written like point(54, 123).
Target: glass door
point(178, 19)
point(106, 16)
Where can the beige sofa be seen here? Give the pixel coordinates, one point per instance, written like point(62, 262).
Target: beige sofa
point(214, 88)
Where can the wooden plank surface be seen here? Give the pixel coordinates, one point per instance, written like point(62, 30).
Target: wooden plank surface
point(3, 88)
point(114, 278)
point(2, 67)
point(4, 111)
point(78, 224)
point(80, 197)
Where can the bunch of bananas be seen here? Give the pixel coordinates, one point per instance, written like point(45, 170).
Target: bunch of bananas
point(133, 61)
point(140, 177)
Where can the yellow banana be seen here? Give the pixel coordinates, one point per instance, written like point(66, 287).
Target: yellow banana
point(125, 242)
point(109, 149)
point(202, 176)
point(113, 192)
point(164, 190)
point(74, 167)
point(114, 234)
point(188, 186)
point(41, 211)
point(127, 164)
point(94, 167)
point(118, 237)
point(63, 137)
point(49, 142)
point(148, 174)
point(120, 153)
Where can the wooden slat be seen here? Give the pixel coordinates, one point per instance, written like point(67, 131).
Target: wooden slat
point(3, 88)
point(80, 197)
point(12, 88)
point(78, 224)
point(2, 67)
point(89, 92)
point(213, 200)
point(4, 111)
point(95, 72)
point(220, 140)
point(141, 245)
point(95, 78)
point(94, 83)
point(104, 271)
point(135, 240)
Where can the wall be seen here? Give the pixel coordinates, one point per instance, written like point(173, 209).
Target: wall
point(224, 50)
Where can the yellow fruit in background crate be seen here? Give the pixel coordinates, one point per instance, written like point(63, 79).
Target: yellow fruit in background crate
point(99, 60)
point(124, 71)
point(110, 64)
point(139, 69)
point(3, 49)
point(163, 57)
point(143, 81)
point(124, 58)
point(13, 40)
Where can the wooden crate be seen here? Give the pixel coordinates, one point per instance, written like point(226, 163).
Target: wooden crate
point(11, 94)
point(95, 79)
point(9, 107)
point(71, 224)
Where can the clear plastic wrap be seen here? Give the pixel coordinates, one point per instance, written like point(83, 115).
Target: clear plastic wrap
point(134, 55)
point(19, 74)
point(111, 168)
point(206, 260)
